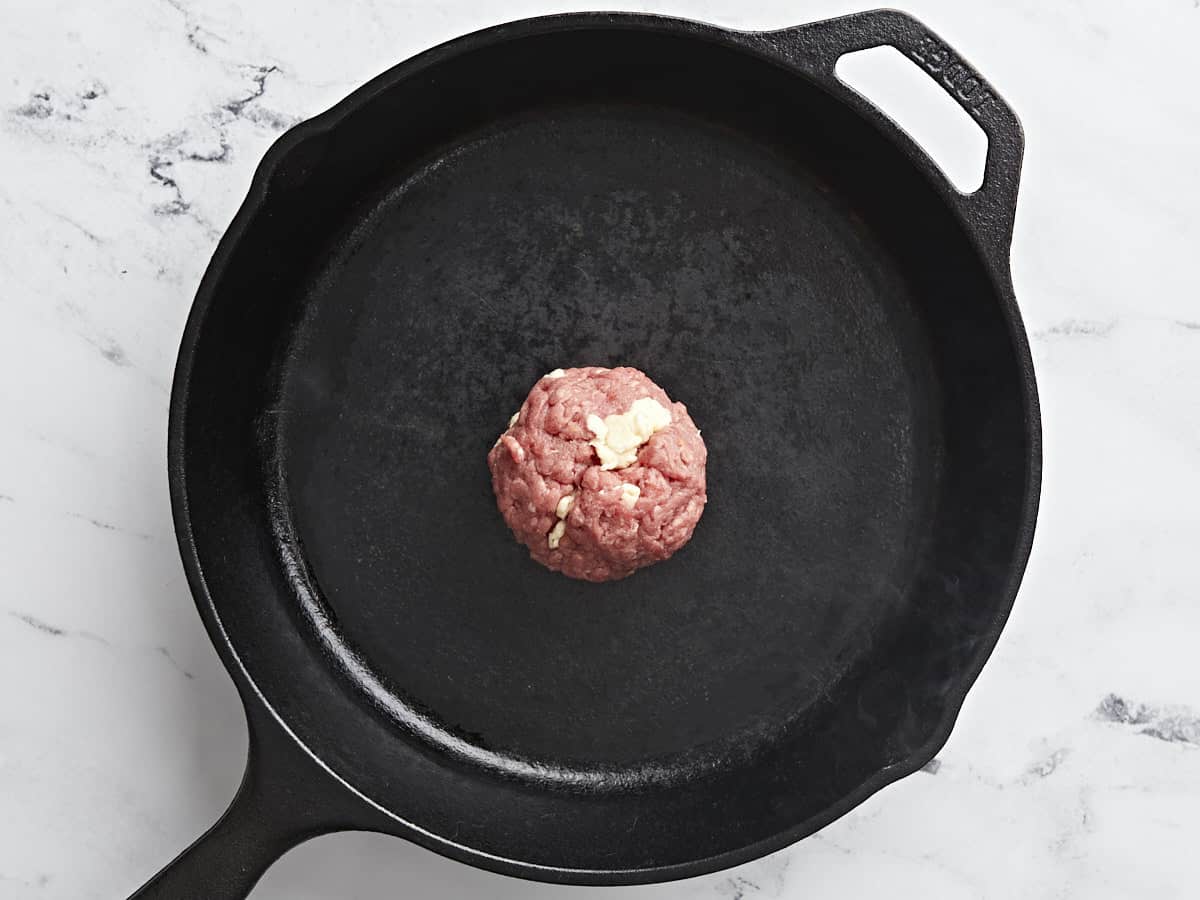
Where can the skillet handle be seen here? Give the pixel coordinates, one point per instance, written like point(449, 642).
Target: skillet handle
point(284, 800)
point(817, 47)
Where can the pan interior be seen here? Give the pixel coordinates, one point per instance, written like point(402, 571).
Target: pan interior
point(609, 234)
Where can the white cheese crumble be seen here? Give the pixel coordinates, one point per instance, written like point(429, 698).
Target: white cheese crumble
point(619, 436)
point(630, 494)
point(565, 504)
point(557, 373)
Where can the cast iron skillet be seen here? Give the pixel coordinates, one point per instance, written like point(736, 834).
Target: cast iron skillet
point(717, 209)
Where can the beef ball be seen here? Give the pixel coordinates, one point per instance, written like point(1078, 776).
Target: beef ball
point(600, 474)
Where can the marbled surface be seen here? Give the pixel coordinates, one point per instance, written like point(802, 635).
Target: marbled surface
point(128, 134)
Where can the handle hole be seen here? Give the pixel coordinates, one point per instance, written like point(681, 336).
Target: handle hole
point(919, 105)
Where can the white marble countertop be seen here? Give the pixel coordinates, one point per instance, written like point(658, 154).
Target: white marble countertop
point(128, 134)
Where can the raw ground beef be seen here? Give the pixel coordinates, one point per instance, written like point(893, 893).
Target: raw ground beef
point(610, 529)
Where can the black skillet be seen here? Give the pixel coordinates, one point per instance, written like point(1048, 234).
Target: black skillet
point(717, 209)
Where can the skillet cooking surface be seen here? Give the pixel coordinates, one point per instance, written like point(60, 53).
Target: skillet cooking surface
point(604, 236)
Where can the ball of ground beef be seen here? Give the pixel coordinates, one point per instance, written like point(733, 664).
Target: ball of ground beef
point(599, 474)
